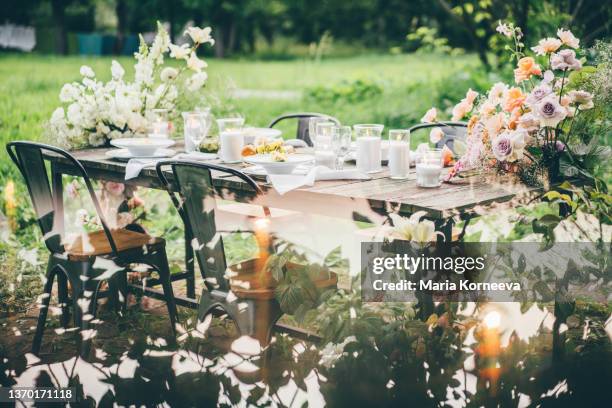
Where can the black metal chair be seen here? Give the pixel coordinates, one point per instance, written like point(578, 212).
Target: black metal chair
point(90, 259)
point(303, 132)
point(452, 131)
point(191, 189)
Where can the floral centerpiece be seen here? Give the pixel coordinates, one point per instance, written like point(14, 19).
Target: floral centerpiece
point(94, 112)
point(524, 128)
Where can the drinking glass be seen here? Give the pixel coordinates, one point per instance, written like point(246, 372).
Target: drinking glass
point(341, 143)
point(429, 165)
point(399, 153)
point(196, 126)
point(312, 126)
point(369, 154)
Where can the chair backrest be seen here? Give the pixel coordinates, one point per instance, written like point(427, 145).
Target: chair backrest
point(303, 118)
point(452, 131)
point(29, 157)
point(194, 196)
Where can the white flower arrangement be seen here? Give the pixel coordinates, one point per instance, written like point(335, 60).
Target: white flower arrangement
point(94, 112)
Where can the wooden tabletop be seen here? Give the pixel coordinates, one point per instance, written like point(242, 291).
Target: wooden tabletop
point(338, 198)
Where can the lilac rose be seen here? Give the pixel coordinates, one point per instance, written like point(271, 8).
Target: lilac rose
point(538, 93)
point(502, 147)
point(565, 59)
point(550, 112)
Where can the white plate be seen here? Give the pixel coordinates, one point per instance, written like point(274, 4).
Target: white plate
point(125, 154)
point(258, 171)
point(143, 146)
point(251, 134)
point(274, 167)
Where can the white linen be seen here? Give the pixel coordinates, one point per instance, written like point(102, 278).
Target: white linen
point(135, 166)
point(284, 183)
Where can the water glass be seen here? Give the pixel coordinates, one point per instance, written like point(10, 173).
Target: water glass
point(369, 155)
point(312, 126)
point(341, 143)
point(399, 153)
point(429, 166)
point(195, 129)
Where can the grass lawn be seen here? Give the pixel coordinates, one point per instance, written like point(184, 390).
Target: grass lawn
point(30, 85)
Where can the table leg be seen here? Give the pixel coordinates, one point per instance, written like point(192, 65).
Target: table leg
point(445, 226)
point(189, 265)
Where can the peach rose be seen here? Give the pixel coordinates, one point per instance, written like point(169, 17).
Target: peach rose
point(430, 116)
point(547, 46)
point(526, 68)
point(461, 110)
point(513, 99)
point(470, 96)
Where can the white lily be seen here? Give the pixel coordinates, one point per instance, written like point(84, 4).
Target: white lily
point(413, 229)
point(179, 51)
point(195, 64)
point(200, 35)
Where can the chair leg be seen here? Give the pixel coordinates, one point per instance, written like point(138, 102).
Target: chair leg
point(62, 292)
point(159, 260)
point(189, 265)
point(255, 320)
point(42, 316)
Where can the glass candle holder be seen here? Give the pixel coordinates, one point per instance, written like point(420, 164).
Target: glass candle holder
point(399, 153)
point(429, 168)
point(160, 128)
point(230, 124)
point(322, 141)
point(369, 154)
point(195, 129)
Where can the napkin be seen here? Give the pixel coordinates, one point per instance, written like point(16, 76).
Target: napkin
point(135, 166)
point(284, 183)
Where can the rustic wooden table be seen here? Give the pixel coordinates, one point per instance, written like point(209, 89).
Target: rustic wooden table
point(360, 200)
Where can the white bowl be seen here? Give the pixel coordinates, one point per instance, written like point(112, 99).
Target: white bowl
point(252, 134)
point(142, 146)
point(274, 167)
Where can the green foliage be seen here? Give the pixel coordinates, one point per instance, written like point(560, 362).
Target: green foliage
point(346, 91)
point(427, 40)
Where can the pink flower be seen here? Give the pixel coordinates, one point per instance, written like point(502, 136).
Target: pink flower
point(114, 188)
point(135, 202)
point(550, 111)
point(461, 110)
point(430, 116)
point(547, 46)
point(502, 147)
point(565, 59)
point(583, 99)
point(568, 38)
point(538, 93)
point(497, 92)
point(529, 122)
point(487, 109)
point(470, 96)
point(504, 29)
point(436, 135)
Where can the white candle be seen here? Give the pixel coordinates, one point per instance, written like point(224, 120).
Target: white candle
point(368, 154)
point(230, 150)
point(428, 174)
point(325, 158)
point(399, 159)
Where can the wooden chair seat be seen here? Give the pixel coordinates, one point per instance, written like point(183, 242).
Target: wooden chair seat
point(96, 243)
